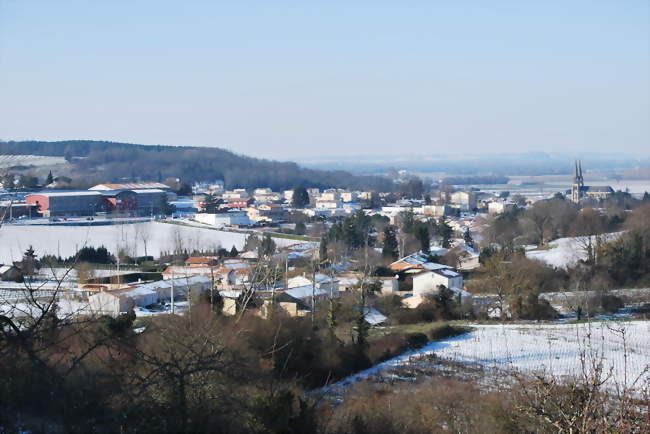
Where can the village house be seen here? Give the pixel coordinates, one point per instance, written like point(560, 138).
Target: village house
point(425, 277)
point(464, 200)
point(314, 194)
point(436, 210)
point(388, 285)
point(238, 203)
point(266, 212)
point(348, 196)
point(264, 195)
point(330, 196)
point(224, 219)
point(322, 281)
point(116, 301)
point(327, 204)
point(500, 207)
point(238, 193)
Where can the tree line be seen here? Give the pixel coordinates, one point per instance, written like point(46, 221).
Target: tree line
point(110, 161)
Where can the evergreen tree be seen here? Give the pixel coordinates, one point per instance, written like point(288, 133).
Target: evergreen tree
point(407, 219)
point(390, 249)
point(165, 207)
point(30, 263)
point(300, 197)
point(233, 252)
point(322, 251)
point(49, 179)
point(27, 181)
point(211, 204)
point(9, 181)
point(252, 243)
point(467, 236)
point(445, 232)
point(300, 228)
point(266, 247)
point(422, 234)
point(331, 318)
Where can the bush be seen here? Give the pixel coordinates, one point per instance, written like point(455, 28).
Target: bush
point(611, 303)
point(387, 347)
point(446, 331)
point(417, 340)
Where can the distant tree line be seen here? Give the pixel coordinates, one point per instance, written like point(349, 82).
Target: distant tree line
point(470, 180)
point(110, 161)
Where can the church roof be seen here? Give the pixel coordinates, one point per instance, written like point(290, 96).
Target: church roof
point(599, 189)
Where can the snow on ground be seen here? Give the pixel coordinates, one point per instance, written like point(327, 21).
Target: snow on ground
point(556, 350)
point(29, 160)
point(564, 252)
point(65, 241)
point(561, 253)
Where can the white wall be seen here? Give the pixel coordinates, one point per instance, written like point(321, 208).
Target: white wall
point(429, 281)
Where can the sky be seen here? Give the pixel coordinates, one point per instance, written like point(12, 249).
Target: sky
point(303, 78)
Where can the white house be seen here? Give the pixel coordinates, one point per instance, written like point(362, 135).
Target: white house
point(430, 280)
point(330, 195)
point(220, 220)
point(348, 196)
point(466, 200)
point(238, 193)
point(327, 204)
point(499, 207)
point(182, 286)
point(323, 282)
point(117, 301)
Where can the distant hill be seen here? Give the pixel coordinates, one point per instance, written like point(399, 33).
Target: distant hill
point(111, 161)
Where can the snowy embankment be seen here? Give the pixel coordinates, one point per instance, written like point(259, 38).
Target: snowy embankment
point(158, 237)
point(566, 252)
point(559, 350)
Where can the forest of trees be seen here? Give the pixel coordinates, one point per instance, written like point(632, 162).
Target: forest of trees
point(109, 161)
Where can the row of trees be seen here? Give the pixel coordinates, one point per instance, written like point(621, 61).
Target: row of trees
point(11, 181)
point(114, 161)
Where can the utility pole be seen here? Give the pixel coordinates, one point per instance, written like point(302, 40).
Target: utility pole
point(172, 294)
point(313, 293)
point(212, 290)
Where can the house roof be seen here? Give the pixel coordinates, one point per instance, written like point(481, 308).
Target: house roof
point(416, 261)
point(201, 260)
point(179, 282)
point(373, 317)
point(301, 292)
point(180, 270)
point(67, 193)
point(447, 273)
point(599, 189)
point(131, 186)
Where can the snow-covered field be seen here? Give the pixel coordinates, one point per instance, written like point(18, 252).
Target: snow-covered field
point(29, 160)
point(158, 237)
point(564, 252)
point(556, 350)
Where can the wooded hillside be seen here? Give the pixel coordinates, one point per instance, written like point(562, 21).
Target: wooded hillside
point(111, 161)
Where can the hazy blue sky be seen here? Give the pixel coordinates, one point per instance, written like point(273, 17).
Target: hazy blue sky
point(282, 79)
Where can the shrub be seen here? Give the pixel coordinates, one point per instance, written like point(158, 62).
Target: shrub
point(611, 303)
point(387, 347)
point(417, 340)
point(446, 331)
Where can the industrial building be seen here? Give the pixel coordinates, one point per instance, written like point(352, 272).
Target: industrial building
point(88, 203)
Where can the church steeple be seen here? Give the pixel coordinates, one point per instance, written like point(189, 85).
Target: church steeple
point(582, 181)
point(578, 183)
point(577, 178)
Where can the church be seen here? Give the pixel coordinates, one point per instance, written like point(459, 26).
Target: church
point(580, 191)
